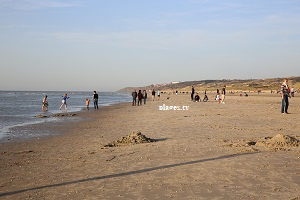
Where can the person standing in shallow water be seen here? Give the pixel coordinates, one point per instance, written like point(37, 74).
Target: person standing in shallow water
point(285, 94)
point(64, 102)
point(45, 104)
point(87, 103)
point(95, 99)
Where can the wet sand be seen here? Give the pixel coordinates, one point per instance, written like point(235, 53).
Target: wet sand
point(208, 151)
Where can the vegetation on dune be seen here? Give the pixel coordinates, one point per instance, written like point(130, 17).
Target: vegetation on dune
point(253, 85)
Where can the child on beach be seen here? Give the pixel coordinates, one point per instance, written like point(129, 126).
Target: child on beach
point(45, 104)
point(64, 102)
point(87, 103)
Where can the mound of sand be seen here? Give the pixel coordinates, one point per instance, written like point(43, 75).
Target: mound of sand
point(280, 140)
point(131, 139)
point(278, 143)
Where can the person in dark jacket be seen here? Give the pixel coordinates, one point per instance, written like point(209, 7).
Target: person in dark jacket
point(192, 93)
point(153, 95)
point(134, 96)
point(285, 94)
point(140, 97)
point(95, 99)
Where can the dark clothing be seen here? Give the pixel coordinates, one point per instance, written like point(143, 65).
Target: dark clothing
point(145, 97)
point(95, 96)
point(134, 102)
point(197, 98)
point(285, 99)
point(134, 96)
point(140, 97)
point(95, 99)
point(223, 91)
point(205, 99)
point(153, 93)
point(285, 89)
point(285, 104)
point(192, 94)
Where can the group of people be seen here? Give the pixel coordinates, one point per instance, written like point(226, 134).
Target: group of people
point(153, 94)
point(219, 98)
point(286, 93)
point(142, 95)
point(95, 100)
point(95, 97)
point(198, 99)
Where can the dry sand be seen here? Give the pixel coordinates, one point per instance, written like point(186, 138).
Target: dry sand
point(244, 149)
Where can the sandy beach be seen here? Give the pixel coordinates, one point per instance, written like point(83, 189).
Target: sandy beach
point(243, 149)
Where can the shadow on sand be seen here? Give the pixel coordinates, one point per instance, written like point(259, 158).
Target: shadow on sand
point(124, 174)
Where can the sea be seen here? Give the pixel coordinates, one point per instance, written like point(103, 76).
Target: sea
point(20, 108)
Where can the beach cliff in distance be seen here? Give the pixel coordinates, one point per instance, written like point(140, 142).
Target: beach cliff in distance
point(212, 85)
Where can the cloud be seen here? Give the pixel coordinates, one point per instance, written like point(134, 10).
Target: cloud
point(29, 5)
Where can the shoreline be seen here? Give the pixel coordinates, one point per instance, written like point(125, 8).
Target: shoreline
point(26, 108)
point(199, 153)
point(54, 119)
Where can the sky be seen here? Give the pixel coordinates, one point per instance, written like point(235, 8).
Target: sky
point(86, 45)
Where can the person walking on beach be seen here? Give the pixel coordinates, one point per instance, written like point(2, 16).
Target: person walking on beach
point(95, 99)
point(134, 96)
point(140, 98)
point(223, 94)
point(192, 93)
point(64, 102)
point(145, 96)
point(153, 95)
point(158, 94)
point(87, 103)
point(285, 95)
point(45, 104)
